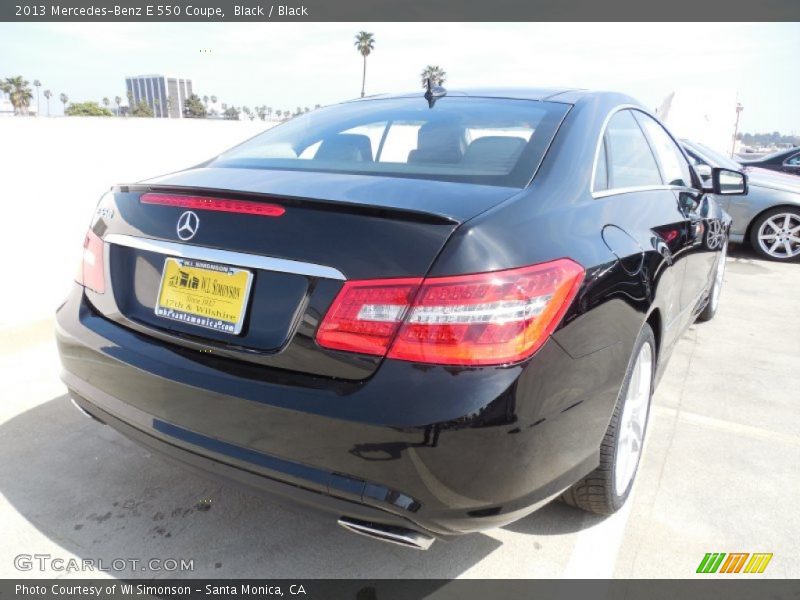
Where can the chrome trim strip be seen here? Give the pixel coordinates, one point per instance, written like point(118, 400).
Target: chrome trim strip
point(228, 257)
point(641, 188)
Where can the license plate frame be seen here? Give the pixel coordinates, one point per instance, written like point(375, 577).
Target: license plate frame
point(187, 305)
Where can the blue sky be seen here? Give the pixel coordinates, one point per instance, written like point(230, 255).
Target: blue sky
point(284, 65)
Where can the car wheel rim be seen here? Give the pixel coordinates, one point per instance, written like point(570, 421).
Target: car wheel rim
point(718, 277)
point(716, 235)
point(633, 420)
point(779, 236)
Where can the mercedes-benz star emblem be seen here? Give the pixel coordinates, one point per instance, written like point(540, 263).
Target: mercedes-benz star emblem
point(188, 224)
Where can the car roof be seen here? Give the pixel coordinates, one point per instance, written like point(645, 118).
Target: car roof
point(553, 94)
point(773, 157)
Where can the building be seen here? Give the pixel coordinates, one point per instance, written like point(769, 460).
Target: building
point(6, 108)
point(166, 96)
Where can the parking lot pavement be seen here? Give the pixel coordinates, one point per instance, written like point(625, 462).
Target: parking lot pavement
point(719, 474)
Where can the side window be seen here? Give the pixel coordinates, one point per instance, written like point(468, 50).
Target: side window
point(694, 159)
point(631, 162)
point(794, 160)
point(601, 170)
point(675, 168)
point(701, 167)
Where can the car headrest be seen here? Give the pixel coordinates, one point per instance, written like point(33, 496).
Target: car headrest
point(349, 147)
point(495, 152)
point(439, 142)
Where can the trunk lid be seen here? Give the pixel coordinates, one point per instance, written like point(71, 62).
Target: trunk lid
point(334, 227)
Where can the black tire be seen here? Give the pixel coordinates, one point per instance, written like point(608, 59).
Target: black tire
point(712, 303)
point(597, 493)
point(756, 227)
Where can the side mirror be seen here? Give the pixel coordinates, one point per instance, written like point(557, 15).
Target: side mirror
point(727, 182)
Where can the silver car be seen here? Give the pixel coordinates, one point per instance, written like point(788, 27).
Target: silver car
point(768, 216)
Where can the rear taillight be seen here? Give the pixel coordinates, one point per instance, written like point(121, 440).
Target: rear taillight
point(216, 204)
point(365, 315)
point(92, 271)
point(481, 319)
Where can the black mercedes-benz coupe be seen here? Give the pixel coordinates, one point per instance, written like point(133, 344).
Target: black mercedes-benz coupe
point(425, 315)
point(786, 161)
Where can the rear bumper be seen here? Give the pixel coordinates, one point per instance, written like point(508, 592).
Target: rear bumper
point(438, 450)
point(242, 477)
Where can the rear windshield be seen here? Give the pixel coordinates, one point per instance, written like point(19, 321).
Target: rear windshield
point(472, 140)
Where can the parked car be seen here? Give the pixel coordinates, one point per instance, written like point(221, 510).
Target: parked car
point(786, 161)
point(768, 217)
point(428, 316)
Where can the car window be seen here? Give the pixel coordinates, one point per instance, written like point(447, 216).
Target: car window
point(601, 169)
point(710, 157)
point(630, 159)
point(794, 160)
point(695, 160)
point(674, 167)
point(490, 141)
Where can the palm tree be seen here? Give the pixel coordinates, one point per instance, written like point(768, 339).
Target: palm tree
point(19, 93)
point(106, 101)
point(278, 113)
point(47, 95)
point(435, 73)
point(205, 101)
point(213, 99)
point(365, 44)
point(224, 107)
point(117, 101)
point(64, 99)
point(37, 84)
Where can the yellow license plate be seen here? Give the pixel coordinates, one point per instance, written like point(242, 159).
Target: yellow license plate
point(204, 294)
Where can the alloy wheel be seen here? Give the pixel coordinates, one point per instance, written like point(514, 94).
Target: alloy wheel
point(718, 277)
point(716, 235)
point(634, 419)
point(779, 236)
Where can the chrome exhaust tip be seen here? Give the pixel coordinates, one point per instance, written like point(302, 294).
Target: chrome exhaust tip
point(84, 412)
point(389, 533)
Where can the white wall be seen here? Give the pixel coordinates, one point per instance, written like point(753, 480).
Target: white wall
point(52, 173)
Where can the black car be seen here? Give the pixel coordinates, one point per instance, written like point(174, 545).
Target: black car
point(786, 161)
point(427, 316)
